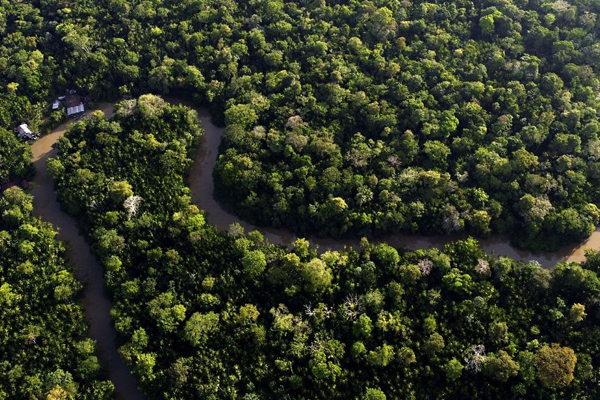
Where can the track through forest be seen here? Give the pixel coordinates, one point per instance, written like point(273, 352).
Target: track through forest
point(88, 271)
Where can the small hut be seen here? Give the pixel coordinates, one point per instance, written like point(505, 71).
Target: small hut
point(74, 104)
point(24, 132)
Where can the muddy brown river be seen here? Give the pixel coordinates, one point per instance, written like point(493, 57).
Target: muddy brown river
point(202, 185)
point(87, 270)
point(97, 305)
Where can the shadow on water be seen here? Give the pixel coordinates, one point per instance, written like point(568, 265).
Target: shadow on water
point(87, 270)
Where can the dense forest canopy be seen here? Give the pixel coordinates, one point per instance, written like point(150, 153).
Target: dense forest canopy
point(342, 118)
point(214, 315)
point(354, 117)
point(15, 158)
point(43, 337)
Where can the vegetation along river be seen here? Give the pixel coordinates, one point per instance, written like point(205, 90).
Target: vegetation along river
point(202, 186)
point(88, 271)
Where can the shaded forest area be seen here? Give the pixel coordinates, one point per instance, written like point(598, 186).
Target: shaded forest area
point(43, 341)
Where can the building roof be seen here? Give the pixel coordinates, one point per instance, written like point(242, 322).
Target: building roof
point(56, 105)
point(73, 100)
point(76, 109)
point(24, 128)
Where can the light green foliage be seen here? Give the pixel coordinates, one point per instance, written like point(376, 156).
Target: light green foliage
point(242, 115)
point(120, 190)
point(254, 263)
point(362, 327)
point(453, 369)
point(200, 326)
point(577, 312)
point(374, 394)
point(500, 366)
point(316, 275)
point(166, 312)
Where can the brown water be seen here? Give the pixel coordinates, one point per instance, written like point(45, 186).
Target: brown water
point(87, 270)
point(202, 185)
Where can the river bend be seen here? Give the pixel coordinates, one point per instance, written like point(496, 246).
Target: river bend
point(87, 270)
point(90, 272)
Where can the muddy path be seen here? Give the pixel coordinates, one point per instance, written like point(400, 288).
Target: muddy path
point(87, 269)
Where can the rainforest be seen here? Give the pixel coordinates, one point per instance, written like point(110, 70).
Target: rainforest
point(332, 121)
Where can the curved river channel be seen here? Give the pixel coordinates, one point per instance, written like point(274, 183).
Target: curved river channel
point(202, 185)
point(88, 271)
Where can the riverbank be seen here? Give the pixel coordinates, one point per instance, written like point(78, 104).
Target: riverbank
point(202, 186)
point(87, 269)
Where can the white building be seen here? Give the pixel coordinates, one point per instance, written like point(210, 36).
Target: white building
point(74, 104)
point(25, 132)
point(75, 109)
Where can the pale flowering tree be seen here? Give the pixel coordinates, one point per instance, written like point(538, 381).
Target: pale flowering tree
point(394, 160)
point(561, 6)
point(425, 265)
point(353, 307)
point(259, 132)
point(308, 310)
point(451, 222)
point(294, 122)
point(462, 177)
point(476, 359)
point(132, 204)
point(321, 311)
point(126, 108)
point(483, 267)
point(236, 230)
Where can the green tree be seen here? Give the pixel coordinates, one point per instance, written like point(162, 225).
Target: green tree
point(500, 366)
point(254, 263)
point(200, 326)
point(555, 365)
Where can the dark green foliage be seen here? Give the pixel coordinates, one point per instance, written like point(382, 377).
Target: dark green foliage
point(15, 159)
point(204, 314)
point(352, 118)
point(45, 352)
point(343, 118)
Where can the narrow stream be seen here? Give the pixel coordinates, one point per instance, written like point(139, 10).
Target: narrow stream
point(87, 270)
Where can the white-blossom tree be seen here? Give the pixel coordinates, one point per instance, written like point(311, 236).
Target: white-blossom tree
point(483, 267)
point(132, 204)
point(425, 265)
point(476, 359)
point(353, 307)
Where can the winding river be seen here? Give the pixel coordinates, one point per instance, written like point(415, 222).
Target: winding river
point(202, 185)
point(97, 304)
point(87, 270)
